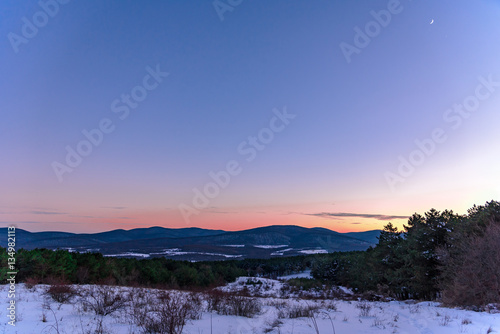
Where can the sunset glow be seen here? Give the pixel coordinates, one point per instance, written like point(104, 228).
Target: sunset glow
point(118, 115)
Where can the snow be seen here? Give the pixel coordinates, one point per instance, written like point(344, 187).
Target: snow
point(304, 274)
point(281, 251)
point(345, 290)
point(128, 254)
point(255, 286)
point(69, 249)
point(343, 315)
point(217, 254)
point(171, 251)
point(177, 251)
point(314, 251)
point(270, 246)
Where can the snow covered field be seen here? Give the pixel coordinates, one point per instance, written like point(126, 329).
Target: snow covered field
point(280, 312)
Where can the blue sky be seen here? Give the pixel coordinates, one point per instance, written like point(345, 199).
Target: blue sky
point(353, 119)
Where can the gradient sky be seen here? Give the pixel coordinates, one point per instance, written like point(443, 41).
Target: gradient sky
point(328, 167)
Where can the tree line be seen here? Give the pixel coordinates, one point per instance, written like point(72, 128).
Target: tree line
point(61, 266)
point(455, 258)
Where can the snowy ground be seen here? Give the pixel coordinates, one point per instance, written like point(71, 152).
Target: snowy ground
point(38, 313)
point(305, 274)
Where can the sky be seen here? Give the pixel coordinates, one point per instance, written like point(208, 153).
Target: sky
point(235, 114)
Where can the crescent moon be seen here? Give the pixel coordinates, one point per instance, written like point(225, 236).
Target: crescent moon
point(432, 21)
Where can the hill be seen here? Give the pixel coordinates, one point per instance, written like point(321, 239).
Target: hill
point(197, 244)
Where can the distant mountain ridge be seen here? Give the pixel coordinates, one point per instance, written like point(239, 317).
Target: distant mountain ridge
point(200, 244)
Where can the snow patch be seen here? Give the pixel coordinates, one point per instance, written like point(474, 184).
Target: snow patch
point(280, 252)
point(270, 246)
point(314, 251)
point(128, 254)
point(177, 251)
point(304, 274)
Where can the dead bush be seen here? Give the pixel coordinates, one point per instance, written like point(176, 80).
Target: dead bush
point(31, 283)
point(61, 293)
point(298, 311)
point(215, 299)
point(232, 304)
point(329, 305)
point(364, 308)
point(102, 299)
point(167, 313)
point(242, 306)
point(196, 306)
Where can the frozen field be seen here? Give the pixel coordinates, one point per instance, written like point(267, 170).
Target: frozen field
point(37, 312)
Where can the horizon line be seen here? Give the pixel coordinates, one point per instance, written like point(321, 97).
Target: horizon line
point(179, 228)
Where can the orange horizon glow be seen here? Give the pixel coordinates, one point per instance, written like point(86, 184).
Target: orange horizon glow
point(341, 216)
point(227, 221)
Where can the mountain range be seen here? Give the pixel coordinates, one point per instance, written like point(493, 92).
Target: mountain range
point(196, 244)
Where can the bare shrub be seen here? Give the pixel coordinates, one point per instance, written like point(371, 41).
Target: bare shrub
point(281, 307)
point(370, 296)
point(167, 313)
point(232, 304)
point(379, 323)
point(364, 308)
point(277, 303)
point(445, 321)
point(141, 302)
point(301, 311)
point(329, 305)
point(61, 293)
point(31, 283)
point(240, 306)
point(98, 327)
point(196, 306)
point(272, 325)
point(414, 308)
point(215, 299)
point(102, 299)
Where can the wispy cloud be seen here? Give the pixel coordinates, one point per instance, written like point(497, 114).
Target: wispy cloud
point(35, 222)
point(358, 215)
point(214, 209)
point(291, 213)
point(37, 212)
point(86, 216)
point(114, 207)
